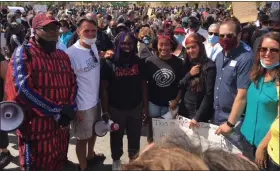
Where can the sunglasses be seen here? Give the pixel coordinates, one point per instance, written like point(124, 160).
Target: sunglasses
point(211, 33)
point(226, 36)
point(265, 49)
point(50, 29)
point(95, 60)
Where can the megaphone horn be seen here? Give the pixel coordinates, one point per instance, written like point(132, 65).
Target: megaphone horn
point(11, 116)
point(101, 127)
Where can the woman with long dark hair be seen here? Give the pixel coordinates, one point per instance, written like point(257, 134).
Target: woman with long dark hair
point(124, 94)
point(198, 83)
point(262, 99)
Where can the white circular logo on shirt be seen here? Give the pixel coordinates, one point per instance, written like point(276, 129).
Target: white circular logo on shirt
point(164, 77)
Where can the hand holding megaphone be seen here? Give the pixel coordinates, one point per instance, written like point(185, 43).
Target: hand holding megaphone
point(101, 127)
point(106, 117)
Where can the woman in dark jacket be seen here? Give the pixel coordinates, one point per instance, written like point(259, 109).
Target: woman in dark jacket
point(198, 82)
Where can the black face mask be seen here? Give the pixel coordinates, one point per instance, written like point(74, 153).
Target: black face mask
point(114, 31)
point(48, 46)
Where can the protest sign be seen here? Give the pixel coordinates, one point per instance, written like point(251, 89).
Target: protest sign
point(275, 5)
point(41, 8)
point(245, 11)
point(149, 13)
point(204, 135)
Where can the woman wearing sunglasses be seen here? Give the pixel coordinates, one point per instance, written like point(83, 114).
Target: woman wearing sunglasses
point(123, 95)
point(163, 73)
point(262, 98)
point(198, 83)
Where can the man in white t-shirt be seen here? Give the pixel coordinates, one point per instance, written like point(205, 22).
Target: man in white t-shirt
point(86, 65)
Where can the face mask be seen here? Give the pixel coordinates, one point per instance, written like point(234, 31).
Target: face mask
point(89, 41)
point(114, 31)
point(147, 40)
point(179, 38)
point(48, 46)
point(213, 39)
point(269, 67)
point(228, 44)
point(18, 20)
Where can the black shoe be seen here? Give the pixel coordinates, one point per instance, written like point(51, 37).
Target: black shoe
point(98, 158)
point(69, 165)
point(5, 159)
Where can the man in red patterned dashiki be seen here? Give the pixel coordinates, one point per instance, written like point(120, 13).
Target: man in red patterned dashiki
point(40, 79)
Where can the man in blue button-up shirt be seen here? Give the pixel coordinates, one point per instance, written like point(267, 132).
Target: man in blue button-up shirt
point(232, 81)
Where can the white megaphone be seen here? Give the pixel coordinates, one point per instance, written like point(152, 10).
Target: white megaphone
point(11, 116)
point(170, 114)
point(101, 127)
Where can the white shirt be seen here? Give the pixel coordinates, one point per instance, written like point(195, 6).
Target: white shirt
point(200, 31)
point(212, 51)
point(61, 46)
point(87, 74)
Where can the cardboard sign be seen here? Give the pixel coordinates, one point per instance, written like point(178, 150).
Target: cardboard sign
point(245, 11)
point(149, 13)
point(203, 136)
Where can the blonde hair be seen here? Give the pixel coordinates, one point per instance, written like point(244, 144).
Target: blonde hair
point(145, 31)
point(166, 158)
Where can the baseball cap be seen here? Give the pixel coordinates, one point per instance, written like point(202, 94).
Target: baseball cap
point(41, 20)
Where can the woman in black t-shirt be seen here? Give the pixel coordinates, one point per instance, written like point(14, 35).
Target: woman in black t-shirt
point(163, 73)
point(124, 93)
point(198, 83)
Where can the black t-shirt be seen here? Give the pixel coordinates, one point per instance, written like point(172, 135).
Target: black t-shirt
point(2, 58)
point(124, 91)
point(163, 77)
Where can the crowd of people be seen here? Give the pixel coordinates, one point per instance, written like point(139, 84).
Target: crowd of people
point(69, 69)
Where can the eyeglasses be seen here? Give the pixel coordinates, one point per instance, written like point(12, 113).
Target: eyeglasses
point(211, 33)
point(95, 60)
point(265, 49)
point(226, 36)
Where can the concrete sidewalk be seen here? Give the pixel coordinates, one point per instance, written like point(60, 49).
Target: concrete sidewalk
point(102, 146)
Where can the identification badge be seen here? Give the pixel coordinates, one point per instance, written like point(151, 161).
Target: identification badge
point(232, 63)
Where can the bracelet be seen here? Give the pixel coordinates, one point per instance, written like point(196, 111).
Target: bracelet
point(230, 124)
point(104, 113)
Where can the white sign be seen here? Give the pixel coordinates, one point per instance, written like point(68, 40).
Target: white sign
point(3, 41)
point(41, 8)
point(275, 5)
point(204, 135)
point(14, 9)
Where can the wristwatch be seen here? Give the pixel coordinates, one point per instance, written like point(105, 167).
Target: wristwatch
point(230, 124)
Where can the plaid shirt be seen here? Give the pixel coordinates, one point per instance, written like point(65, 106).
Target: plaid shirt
point(41, 83)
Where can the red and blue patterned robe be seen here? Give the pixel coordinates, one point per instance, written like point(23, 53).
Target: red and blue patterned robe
point(41, 83)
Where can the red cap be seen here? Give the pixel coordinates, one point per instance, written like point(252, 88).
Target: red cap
point(179, 30)
point(41, 20)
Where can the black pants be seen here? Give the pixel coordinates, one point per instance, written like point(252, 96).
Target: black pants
point(272, 166)
point(131, 121)
point(4, 139)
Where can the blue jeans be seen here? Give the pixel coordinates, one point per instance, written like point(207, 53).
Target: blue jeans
point(156, 111)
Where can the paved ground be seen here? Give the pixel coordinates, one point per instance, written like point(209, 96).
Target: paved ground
point(102, 146)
